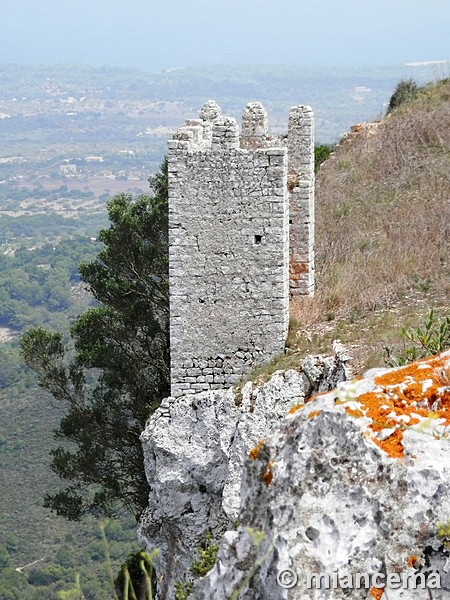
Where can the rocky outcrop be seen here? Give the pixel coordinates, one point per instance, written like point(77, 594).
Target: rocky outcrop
point(354, 481)
point(195, 447)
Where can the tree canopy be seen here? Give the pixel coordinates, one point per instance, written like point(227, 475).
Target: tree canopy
point(114, 370)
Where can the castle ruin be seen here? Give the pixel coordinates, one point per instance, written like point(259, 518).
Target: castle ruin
point(241, 241)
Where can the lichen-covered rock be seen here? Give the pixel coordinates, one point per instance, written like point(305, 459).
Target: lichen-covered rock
point(354, 481)
point(195, 447)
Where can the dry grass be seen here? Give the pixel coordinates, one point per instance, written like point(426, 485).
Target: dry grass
point(382, 228)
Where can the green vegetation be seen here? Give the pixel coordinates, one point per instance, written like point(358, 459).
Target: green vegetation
point(428, 339)
point(39, 284)
point(321, 153)
point(42, 227)
point(406, 91)
point(444, 533)
point(67, 580)
point(206, 560)
point(35, 285)
point(82, 564)
point(199, 568)
point(117, 372)
point(12, 194)
point(183, 589)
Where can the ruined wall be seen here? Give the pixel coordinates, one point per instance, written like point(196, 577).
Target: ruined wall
point(229, 243)
point(301, 200)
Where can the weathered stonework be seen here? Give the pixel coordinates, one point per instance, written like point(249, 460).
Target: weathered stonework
point(229, 229)
point(301, 200)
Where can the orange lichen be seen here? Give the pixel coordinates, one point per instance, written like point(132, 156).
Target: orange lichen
point(412, 561)
point(299, 406)
point(418, 385)
point(392, 445)
point(314, 413)
point(354, 412)
point(376, 593)
point(401, 398)
point(268, 474)
point(254, 452)
point(409, 392)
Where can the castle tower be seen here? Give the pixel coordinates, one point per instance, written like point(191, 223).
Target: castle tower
point(229, 228)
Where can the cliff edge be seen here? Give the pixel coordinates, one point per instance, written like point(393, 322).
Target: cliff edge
point(352, 481)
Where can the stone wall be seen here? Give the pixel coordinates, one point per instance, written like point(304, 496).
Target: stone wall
point(229, 199)
point(301, 200)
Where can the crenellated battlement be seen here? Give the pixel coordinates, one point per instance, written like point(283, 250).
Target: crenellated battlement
point(240, 236)
point(213, 131)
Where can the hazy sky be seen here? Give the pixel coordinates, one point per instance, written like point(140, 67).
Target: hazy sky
point(156, 34)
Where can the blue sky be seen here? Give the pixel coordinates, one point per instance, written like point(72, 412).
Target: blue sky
point(155, 34)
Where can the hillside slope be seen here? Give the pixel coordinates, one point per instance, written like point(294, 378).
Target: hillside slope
point(382, 231)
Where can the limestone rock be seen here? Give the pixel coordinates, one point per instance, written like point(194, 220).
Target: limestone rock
point(195, 447)
point(354, 481)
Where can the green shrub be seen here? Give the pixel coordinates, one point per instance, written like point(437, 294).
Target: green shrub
point(13, 585)
point(406, 90)
point(430, 338)
point(321, 154)
point(183, 590)
point(65, 557)
point(199, 568)
point(207, 558)
point(48, 575)
point(5, 557)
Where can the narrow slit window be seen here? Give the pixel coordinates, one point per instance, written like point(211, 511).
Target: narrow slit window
point(258, 239)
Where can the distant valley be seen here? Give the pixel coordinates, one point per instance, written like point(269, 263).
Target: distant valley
point(73, 136)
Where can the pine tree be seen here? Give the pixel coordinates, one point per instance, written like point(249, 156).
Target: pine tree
point(114, 371)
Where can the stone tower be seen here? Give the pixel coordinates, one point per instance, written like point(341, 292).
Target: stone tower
point(240, 240)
